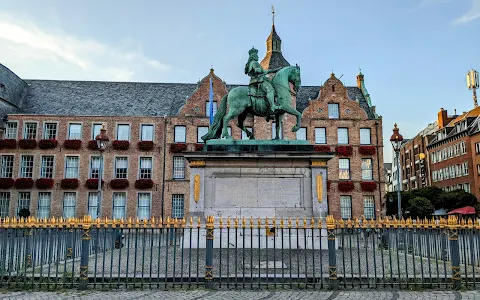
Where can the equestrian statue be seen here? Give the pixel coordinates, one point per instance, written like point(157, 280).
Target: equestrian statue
point(264, 97)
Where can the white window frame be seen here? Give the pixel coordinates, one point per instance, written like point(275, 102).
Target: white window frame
point(7, 162)
point(11, 130)
point(119, 203)
point(44, 209)
point(342, 168)
point(93, 205)
point(367, 173)
point(346, 207)
point(121, 125)
point(362, 136)
point(207, 108)
point(94, 125)
point(5, 198)
point(301, 134)
point(178, 135)
point(142, 138)
point(178, 170)
point(69, 133)
point(201, 131)
point(465, 168)
point(23, 173)
point(46, 124)
point(318, 135)
point(331, 112)
point(93, 173)
point(369, 207)
point(47, 170)
point(145, 175)
point(69, 169)
point(148, 209)
point(117, 174)
point(26, 131)
point(24, 201)
point(67, 196)
point(178, 200)
point(340, 136)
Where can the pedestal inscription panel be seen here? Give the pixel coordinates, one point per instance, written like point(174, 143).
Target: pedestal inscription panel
point(258, 192)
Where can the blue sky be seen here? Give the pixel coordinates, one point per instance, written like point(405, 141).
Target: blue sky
point(414, 53)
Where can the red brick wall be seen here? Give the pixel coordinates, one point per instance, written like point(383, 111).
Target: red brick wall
point(192, 115)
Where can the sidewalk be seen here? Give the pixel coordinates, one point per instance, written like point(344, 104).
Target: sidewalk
point(251, 295)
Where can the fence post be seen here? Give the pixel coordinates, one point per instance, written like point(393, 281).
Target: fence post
point(454, 251)
point(209, 253)
point(86, 226)
point(332, 256)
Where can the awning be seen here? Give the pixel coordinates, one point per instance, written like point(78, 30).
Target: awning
point(467, 210)
point(440, 212)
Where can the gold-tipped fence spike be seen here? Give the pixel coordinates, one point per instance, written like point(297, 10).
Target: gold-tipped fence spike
point(251, 222)
point(296, 222)
point(258, 222)
point(274, 222)
point(191, 222)
point(304, 223)
point(244, 222)
point(198, 222)
point(228, 222)
point(235, 221)
point(319, 224)
point(289, 223)
point(266, 223)
point(312, 222)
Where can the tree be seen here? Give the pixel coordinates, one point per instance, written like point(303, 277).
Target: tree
point(420, 207)
point(457, 199)
point(432, 193)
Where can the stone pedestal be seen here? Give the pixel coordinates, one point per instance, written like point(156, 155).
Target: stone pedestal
point(282, 179)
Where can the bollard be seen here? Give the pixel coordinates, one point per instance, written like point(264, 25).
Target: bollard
point(332, 258)
point(84, 254)
point(454, 251)
point(209, 253)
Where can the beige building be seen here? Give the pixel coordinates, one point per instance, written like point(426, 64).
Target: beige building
point(48, 164)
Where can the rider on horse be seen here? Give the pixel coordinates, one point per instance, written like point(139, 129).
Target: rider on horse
point(260, 80)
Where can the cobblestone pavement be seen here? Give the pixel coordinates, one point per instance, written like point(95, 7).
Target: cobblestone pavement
point(260, 294)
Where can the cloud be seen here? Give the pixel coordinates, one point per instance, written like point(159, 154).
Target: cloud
point(469, 16)
point(27, 49)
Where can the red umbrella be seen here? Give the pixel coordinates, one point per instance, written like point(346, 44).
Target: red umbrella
point(467, 210)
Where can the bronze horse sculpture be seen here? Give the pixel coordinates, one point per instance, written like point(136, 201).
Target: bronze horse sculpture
point(241, 103)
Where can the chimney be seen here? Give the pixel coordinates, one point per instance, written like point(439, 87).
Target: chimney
point(442, 118)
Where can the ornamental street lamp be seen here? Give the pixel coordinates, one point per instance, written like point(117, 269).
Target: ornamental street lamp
point(102, 142)
point(396, 140)
point(473, 84)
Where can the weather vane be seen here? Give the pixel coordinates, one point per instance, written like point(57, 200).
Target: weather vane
point(273, 15)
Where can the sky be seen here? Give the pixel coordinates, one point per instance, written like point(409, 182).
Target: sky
point(414, 53)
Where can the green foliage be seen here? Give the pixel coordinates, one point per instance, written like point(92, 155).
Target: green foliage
point(436, 196)
point(420, 207)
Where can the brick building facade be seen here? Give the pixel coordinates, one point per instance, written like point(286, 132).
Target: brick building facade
point(45, 116)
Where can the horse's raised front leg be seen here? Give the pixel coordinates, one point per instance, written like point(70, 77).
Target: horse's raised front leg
point(294, 112)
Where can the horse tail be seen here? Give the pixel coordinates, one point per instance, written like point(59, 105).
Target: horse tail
point(215, 130)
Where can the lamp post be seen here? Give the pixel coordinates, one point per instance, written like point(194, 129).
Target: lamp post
point(396, 140)
point(102, 142)
point(473, 84)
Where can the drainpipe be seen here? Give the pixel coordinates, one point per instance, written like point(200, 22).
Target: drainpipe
point(164, 167)
point(378, 167)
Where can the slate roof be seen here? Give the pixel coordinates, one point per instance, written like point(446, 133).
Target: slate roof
point(90, 98)
point(274, 59)
point(12, 91)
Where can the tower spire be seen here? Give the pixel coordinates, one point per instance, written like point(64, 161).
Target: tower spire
point(273, 15)
point(274, 58)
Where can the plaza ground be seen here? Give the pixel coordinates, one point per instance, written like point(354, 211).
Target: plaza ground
point(260, 294)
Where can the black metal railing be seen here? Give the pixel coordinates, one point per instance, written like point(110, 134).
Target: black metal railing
point(239, 253)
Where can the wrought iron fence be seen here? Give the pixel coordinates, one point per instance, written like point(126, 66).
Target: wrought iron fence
point(239, 253)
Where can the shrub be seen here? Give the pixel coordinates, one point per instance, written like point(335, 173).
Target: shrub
point(24, 213)
point(24, 183)
point(8, 144)
point(145, 145)
point(420, 207)
point(178, 147)
point(322, 148)
point(27, 144)
point(6, 183)
point(345, 186)
point(344, 150)
point(47, 144)
point(92, 145)
point(92, 183)
point(368, 186)
point(72, 144)
point(367, 150)
point(69, 183)
point(119, 183)
point(44, 183)
point(143, 183)
point(120, 145)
